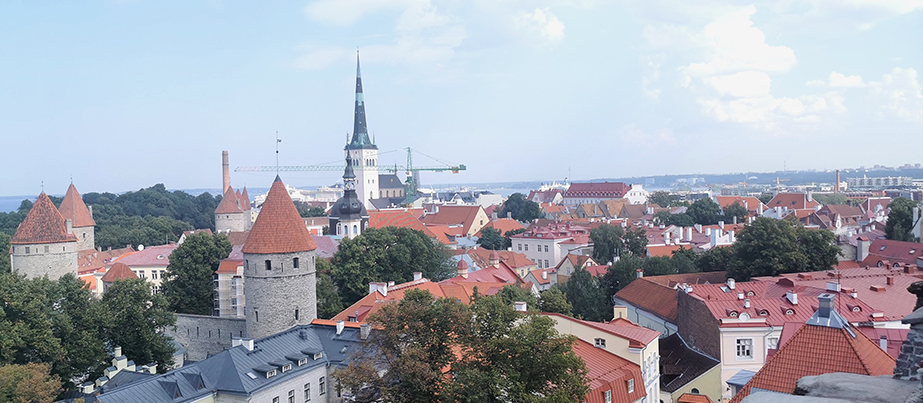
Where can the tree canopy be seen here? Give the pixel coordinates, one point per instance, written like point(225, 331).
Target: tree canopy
point(493, 352)
point(522, 209)
point(387, 254)
point(491, 239)
point(768, 247)
point(900, 220)
point(610, 241)
point(705, 211)
point(663, 198)
point(735, 213)
point(28, 383)
point(328, 300)
point(188, 284)
point(588, 296)
point(135, 321)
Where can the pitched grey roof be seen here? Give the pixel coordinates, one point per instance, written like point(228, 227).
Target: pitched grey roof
point(389, 181)
point(239, 371)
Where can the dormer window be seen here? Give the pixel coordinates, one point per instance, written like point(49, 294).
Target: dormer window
point(599, 342)
point(764, 312)
point(270, 374)
point(789, 312)
point(318, 355)
point(733, 314)
point(286, 367)
point(302, 361)
point(749, 293)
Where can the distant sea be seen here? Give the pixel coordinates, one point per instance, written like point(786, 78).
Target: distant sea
point(11, 203)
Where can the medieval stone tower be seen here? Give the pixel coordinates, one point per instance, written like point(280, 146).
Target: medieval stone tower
point(82, 225)
point(361, 151)
point(348, 217)
point(44, 243)
point(233, 213)
point(279, 268)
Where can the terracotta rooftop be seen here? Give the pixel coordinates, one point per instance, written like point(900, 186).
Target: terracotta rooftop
point(663, 250)
point(637, 336)
point(481, 257)
point(751, 203)
point(43, 224)
point(794, 201)
point(237, 237)
point(882, 250)
point(118, 271)
point(454, 215)
point(230, 204)
point(402, 219)
point(72, 207)
point(91, 259)
point(151, 256)
point(609, 372)
point(278, 228)
point(693, 398)
point(657, 294)
point(816, 350)
point(244, 199)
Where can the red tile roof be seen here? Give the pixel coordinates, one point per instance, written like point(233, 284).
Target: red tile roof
point(638, 336)
point(609, 372)
point(90, 260)
point(118, 271)
point(895, 338)
point(230, 204)
point(72, 207)
point(544, 196)
point(278, 227)
point(462, 216)
point(501, 274)
point(597, 270)
point(662, 250)
point(794, 201)
point(245, 199)
point(43, 224)
point(605, 189)
point(537, 274)
point(403, 219)
point(237, 237)
point(693, 398)
point(816, 350)
point(881, 250)
point(751, 203)
point(229, 266)
point(481, 257)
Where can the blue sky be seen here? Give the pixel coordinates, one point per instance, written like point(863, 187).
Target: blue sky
point(121, 95)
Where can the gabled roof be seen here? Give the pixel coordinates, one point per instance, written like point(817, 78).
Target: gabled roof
point(278, 228)
point(90, 260)
point(327, 246)
point(794, 201)
point(905, 253)
point(574, 260)
point(73, 208)
point(816, 350)
point(230, 204)
point(244, 200)
point(612, 208)
point(657, 294)
point(389, 181)
point(751, 203)
point(150, 256)
point(597, 270)
point(514, 260)
point(454, 215)
point(604, 189)
point(118, 271)
point(544, 196)
point(43, 224)
point(609, 372)
point(502, 225)
point(633, 211)
point(680, 364)
point(402, 219)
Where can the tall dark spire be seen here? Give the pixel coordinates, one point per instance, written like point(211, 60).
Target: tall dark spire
point(360, 137)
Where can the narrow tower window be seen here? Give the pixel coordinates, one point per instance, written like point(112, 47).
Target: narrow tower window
point(268, 265)
point(295, 262)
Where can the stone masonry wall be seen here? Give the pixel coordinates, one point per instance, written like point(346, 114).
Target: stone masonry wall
point(282, 297)
point(232, 222)
point(85, 237)
point(912, 350)
point(205, 335)
point(60, 259)
point(697, 325)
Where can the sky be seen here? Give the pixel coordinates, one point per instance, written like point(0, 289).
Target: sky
point(121, 95)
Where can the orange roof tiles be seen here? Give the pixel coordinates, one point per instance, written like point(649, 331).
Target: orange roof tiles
point(816, 350)
point(118, 271)
point(693, 398)
point(230, 204)
point(403, 219)
point(609, 372)
point(597, 270)
point(278, 228)
point(481, 257)
point(604, 189)
point(794, 201)
point(537, 273)
point(43, 224)
point(72, 207)
point(662, 250)
point(657, 294)
point(244, 199)
point(454, 215)
point(503, 225)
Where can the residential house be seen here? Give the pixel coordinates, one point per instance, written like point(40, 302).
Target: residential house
point(839, 219)
point(316, 225)
point(150, 263)
point(118, 271)
point(502, 225)
point(783, 205)
point(547, 245)
point(754, 206)
point(562, 272)
point(464, 220)
point(404, 218)
point(827, 343)
point(550, 196)
point(592, 193)
point(622, 338)
point(885, 252)
point(542, 279)
point(685, 373)
point(651, 301)
point(612, 378)
point(481, 258)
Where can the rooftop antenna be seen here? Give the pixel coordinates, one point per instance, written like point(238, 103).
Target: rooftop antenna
point(278, 140)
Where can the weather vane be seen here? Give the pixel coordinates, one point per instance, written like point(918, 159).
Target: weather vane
point(278, 140)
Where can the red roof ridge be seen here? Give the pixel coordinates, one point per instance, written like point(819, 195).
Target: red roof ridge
point(73, 208)
point(118, 271)
point(230, 204)
point(278, 228)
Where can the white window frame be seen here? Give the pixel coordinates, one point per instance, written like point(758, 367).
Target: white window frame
point(744, 348)
point(607, 396)
point(631, 386)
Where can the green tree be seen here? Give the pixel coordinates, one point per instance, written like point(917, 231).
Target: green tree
point(306, 210)
point(512, 294)
point(510, 357)
point(736, 211)
point(704, 211)
point(621, 273)
point(328, 301)
point(491, 239)
point(662, 198)
point(607, 242)
point(415, 343)
point(765, 198)
point(684, 260)
point(78, 321)
point(715, 259)
point(832, 198)
point(554, 301)
point(768, 247)
point(588, 296)
point(900, 220)
point(507, 237)
point(387, 254)
point(135, 321)
point(188, 284)
point(634, 242)
point(28, 383)
point(4, 256)
point(522, 209)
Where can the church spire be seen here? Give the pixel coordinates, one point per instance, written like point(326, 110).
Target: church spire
point(360, 137)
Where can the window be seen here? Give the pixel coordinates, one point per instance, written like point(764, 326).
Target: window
point(275, 399)
point(286, 368)
point(295, 263)
point(307, 392)
point(27, 250)
point(546, 263)
point(296, 314)
point(46, 249)
point(322, 385)
point(302, 361)
point(598, 342)
point(745, 348)
point(271, 374)
point(631, 386)
point(153, 274)
point(772, 343)
point(291, 396)
point(607, 396)
point(546, 248)
point(268, 265)
point(527, 247)
point(518, 246)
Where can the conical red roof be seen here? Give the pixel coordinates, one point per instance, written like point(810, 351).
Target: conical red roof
point(244, 199)
point(73, 208)
point(229, 203)
point(43, 224)
point(279, 228)
point(118, 271)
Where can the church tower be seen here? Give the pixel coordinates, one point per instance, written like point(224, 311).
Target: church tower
point(279, 268)
point(361, 151)
point(348, 217)
point(82, 225)
point(44, 244)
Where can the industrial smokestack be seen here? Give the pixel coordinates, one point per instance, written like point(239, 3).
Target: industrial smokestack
point(225, 172)
point(836, 187)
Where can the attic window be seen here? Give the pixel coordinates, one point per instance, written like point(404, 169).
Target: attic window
point(270, 374)
point(749, 293)
point(286, 367)
point(883, 247)
point(598, 342)
point(733, 314)
point(912, 251)
point(302, 361)
point(318, 355)
point(856, 309)
point(764, 312)
point(789, 312)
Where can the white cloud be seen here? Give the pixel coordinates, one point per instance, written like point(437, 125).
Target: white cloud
point(651, 76)
point(541, 24)
point(348, 12)
point(899, 94)
point(633, 136)
point(743, 84)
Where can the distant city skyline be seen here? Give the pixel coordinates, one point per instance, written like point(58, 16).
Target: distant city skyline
point(121, 95)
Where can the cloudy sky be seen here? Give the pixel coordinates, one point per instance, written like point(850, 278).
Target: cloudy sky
point(120, 95)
